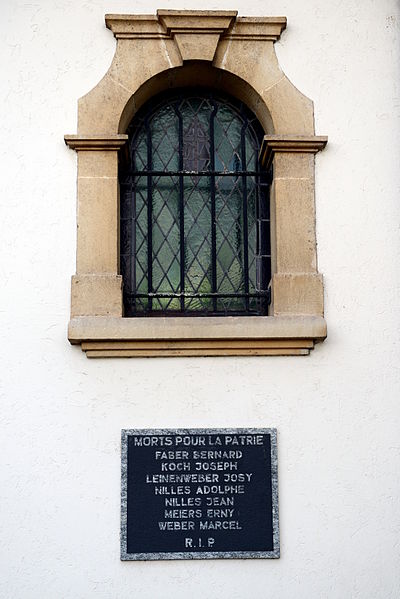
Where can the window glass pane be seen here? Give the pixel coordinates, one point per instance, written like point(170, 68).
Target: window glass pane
point(164, 139)
point(227, 128)
point(198, 265)
point(166, 241)
point(229, 237)
point(252, 230)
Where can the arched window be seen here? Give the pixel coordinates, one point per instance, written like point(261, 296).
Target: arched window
point(169, 254)
point(194, 209)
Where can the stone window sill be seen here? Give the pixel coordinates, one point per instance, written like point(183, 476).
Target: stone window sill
point(105, 337)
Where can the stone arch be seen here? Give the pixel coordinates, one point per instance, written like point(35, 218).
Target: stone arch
point(197, 74)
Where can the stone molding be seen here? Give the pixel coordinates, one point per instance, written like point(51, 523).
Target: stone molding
point(233, 54)
point(267, 29)
point(167, 23)
point(196, 33)
point(207, 336)
point(195, 21)
point(136, 26)
point(95, 142)
point(273, 144)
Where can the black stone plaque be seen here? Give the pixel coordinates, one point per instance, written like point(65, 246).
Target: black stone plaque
point(199, 494)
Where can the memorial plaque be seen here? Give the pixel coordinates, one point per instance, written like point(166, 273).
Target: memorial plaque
point(199, 494)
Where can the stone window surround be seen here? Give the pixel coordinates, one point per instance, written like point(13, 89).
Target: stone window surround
point(236, 54)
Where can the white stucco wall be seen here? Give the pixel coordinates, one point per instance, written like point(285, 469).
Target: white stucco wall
point(336, 411)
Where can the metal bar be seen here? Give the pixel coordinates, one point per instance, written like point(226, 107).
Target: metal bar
point(213, 209)
point(181, 208)
point(194, 173)
point(197, 314)
point(199, 295)
point(149, 213)
point(245, 220)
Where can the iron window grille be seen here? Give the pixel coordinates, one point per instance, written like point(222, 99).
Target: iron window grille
point(194, 209)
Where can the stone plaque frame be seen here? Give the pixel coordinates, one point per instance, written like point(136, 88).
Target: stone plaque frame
point(125, 556)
